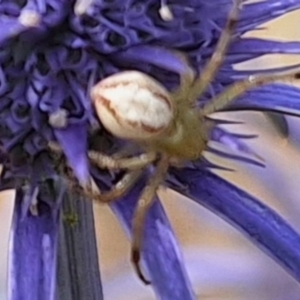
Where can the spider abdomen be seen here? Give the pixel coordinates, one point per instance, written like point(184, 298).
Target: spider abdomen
point(132, 105)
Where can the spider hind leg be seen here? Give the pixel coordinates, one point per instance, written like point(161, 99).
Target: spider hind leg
point(145, 202)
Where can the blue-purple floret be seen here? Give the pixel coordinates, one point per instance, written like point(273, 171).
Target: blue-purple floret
point(48, 69)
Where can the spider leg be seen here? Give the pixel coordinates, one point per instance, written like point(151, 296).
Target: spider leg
point(91, 190)
point(126, 151)
point(104, 161)
point(240, 87)
point(55, 147)
point(117, 191)
point(144, 203)
point(213, 65)
point(186, 79)
point(107, 162)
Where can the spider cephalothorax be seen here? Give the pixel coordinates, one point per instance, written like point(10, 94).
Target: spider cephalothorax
point(168, 126)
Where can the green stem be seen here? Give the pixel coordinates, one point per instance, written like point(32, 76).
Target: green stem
point(78, 275)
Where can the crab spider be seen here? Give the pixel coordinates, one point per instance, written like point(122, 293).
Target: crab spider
point(133, 106)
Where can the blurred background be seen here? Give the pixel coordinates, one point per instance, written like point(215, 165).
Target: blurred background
point(221, 263)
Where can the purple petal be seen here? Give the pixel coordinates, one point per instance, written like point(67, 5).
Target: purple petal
point(258, 47)
point(10, 28)
point(73, 141)
point(258, 13)
point(274, 97)
point(53, 12)
point(236, 157)
point(33, 253)
point(262, 225)
point(233, 141)
point(161, 253)
point(163, 58)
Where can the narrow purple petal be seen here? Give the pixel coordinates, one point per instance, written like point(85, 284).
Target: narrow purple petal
point(262, 225)
point(33, 253)
point(236, 157)
point(258, 13)
point(240, 55)
point(73, 141)
point(10, 27)
point(244, 74)
point(52, 13)
point(233, 141)
point(258, 47)
point(274, 97)
point(171, 61)
point(161, 253)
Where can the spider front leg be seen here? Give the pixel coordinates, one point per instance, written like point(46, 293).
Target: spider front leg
point(207, 75)
point(144, 203)
point(104, 161)
point(186, 80)
point(239, 88)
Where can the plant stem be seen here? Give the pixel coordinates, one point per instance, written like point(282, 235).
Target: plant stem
point(78, 275)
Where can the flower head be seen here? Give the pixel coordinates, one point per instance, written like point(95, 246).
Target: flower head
point(52, 52)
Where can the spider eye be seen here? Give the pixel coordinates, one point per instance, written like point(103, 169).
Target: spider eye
point(132, 105)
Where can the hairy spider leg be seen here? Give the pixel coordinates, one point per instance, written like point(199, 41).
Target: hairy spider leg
point(92, 192)
point(240, 87)
point(202, 82)
point(118, 190)
point(103, 161)
point(145, 202)
point(186, 79)
point(135, 166)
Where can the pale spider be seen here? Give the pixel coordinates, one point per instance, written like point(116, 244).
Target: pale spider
point(168, 126)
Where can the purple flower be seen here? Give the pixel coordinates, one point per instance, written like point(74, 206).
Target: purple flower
point(53, 51)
